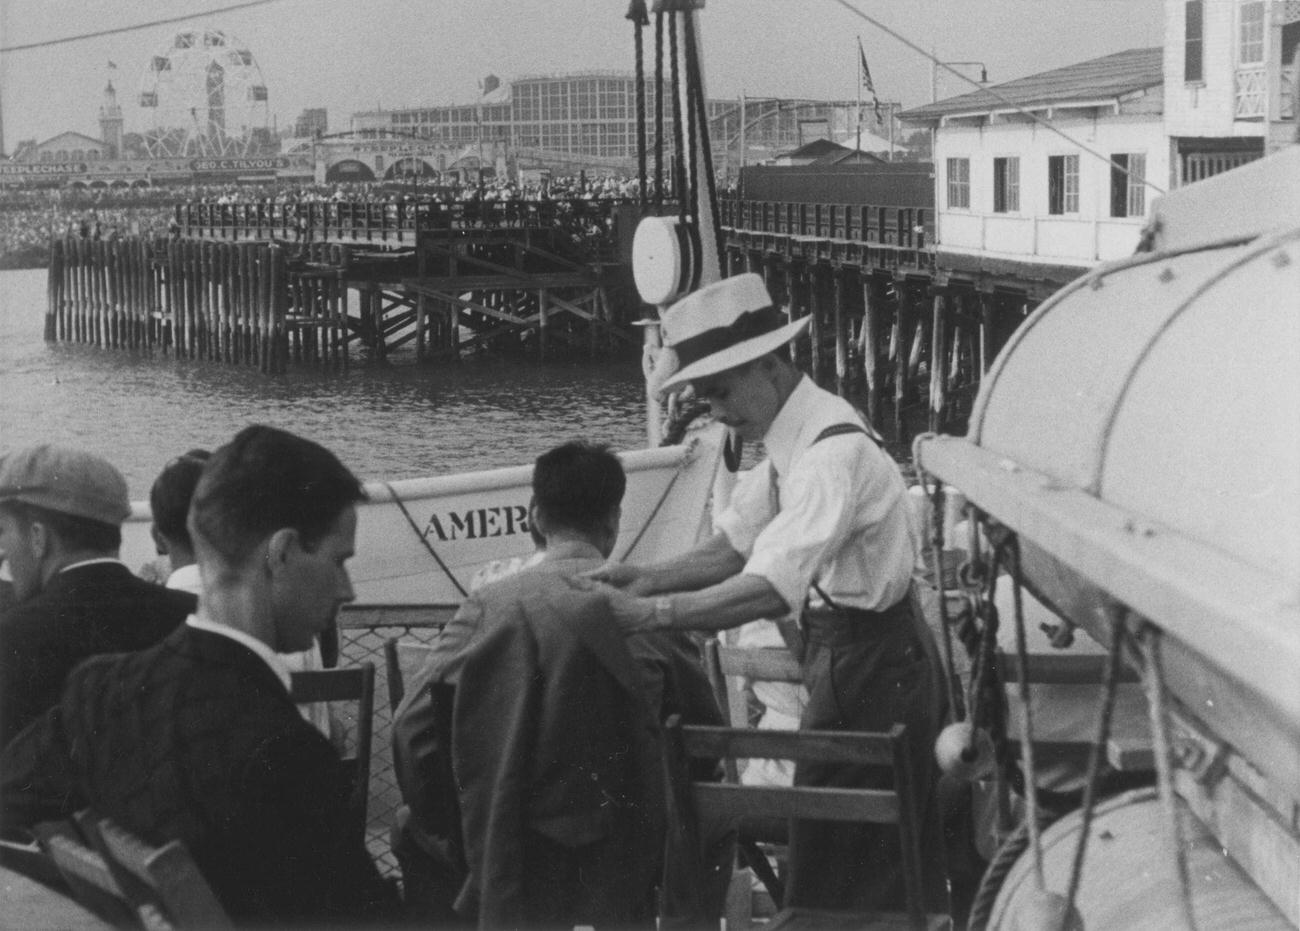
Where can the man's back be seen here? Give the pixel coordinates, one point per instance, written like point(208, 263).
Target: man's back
point(80, 612)
point(554, 723)
point(196, 739)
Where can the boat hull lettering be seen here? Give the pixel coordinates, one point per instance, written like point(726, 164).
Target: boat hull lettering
point(478, 523)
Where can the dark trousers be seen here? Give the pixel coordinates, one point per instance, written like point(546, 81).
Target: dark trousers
point(866, 671)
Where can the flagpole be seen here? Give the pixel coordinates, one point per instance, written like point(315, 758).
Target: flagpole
point(857, 69)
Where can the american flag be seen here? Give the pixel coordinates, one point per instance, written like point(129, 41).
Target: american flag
point(866, 83)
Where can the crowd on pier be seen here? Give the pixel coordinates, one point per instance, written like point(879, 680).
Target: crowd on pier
point(30, 218)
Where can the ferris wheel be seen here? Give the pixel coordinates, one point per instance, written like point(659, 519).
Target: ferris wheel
point(206, 97)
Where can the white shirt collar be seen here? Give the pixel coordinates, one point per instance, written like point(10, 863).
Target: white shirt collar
point(186, 579)
point(267, 655)
point(782, 438)
point(92, 562)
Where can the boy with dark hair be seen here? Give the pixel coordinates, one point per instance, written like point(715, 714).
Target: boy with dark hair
point(197, 738)
point(169, 504)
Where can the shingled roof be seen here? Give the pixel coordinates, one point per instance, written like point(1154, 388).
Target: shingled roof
point(1103, 79)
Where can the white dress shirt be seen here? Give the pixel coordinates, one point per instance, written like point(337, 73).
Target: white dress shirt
point(186, 579)
point(834, 512)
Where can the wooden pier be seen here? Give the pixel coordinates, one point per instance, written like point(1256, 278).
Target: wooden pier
point(268, 285)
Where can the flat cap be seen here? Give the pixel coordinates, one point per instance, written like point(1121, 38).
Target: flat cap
point(70, 481)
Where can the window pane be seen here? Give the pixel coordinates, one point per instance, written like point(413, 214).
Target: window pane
point(1193, 29)
point(1136, 188)
point(1056, 184)
point(1119, 185)
point(1252, 33)
point(1071, 184)
point(959, 183)
point(1013, 184)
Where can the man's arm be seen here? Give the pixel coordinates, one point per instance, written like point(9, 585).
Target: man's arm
point(730, 603)
point(707, 564)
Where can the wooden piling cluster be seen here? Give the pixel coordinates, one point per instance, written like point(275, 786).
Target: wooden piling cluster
point(233, 302)
point(907, 351)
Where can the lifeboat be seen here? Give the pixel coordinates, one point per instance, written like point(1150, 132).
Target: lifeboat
point(1140, 437)
point(420, 542)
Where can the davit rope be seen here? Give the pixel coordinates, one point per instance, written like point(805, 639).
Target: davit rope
point(424, 539)
point(1154, 681)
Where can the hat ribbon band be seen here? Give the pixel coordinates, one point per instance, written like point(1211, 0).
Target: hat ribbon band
point(747, 326)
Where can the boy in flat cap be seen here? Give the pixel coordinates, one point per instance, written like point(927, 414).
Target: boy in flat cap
point(61, 514)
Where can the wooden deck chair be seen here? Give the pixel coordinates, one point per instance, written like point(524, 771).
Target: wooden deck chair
point(158, 881)
point(1128, 750)
point(86, 874)
point(402, 659)
point(697, 800)
point(354, 684)
point(727, 668)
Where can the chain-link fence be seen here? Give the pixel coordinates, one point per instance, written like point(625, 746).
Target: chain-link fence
point(363, 642)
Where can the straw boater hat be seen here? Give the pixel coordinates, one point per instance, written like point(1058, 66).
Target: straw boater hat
point(723, 325)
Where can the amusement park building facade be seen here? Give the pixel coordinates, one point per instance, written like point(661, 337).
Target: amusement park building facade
point(593, 114)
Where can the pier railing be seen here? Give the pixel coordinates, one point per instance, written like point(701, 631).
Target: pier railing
point(901, 227)
point(390, 221)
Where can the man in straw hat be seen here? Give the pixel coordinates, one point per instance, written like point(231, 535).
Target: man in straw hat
point(817, 532)
point(61, 514)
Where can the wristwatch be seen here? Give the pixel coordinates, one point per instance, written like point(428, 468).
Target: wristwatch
point(663, 613)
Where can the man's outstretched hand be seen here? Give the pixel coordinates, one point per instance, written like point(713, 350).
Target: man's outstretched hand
point(632, 614)
point(632, 579)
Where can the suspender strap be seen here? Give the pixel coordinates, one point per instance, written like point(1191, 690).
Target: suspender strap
point(839, 429)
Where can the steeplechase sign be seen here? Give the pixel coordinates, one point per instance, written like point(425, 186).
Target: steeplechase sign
point(41, 169)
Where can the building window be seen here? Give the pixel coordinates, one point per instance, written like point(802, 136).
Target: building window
point(1251, 34)
point(1193, 41)
point(1006, 185)
point(959, 183)
point(1127, 191)
point(1062, 184)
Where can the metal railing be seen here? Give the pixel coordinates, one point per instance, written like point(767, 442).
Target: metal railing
point(903, 227)
point(394, 219)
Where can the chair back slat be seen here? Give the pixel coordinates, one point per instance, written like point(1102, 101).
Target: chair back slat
point(402, 659)
point(766, 663)
point(1049, 669)
point(30, 860)
point(726, 667)
point(170, 880)
point(801, 746)
point(346, 684)
point(85, 872)
point(876, 806)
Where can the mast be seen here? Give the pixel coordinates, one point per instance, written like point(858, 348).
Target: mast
point(698, 176)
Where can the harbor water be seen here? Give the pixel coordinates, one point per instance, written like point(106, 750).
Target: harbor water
point(385, 421)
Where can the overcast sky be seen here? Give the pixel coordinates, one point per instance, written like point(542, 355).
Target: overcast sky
point(351, 55)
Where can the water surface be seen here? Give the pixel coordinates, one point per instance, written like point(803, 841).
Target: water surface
point(385, 421)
